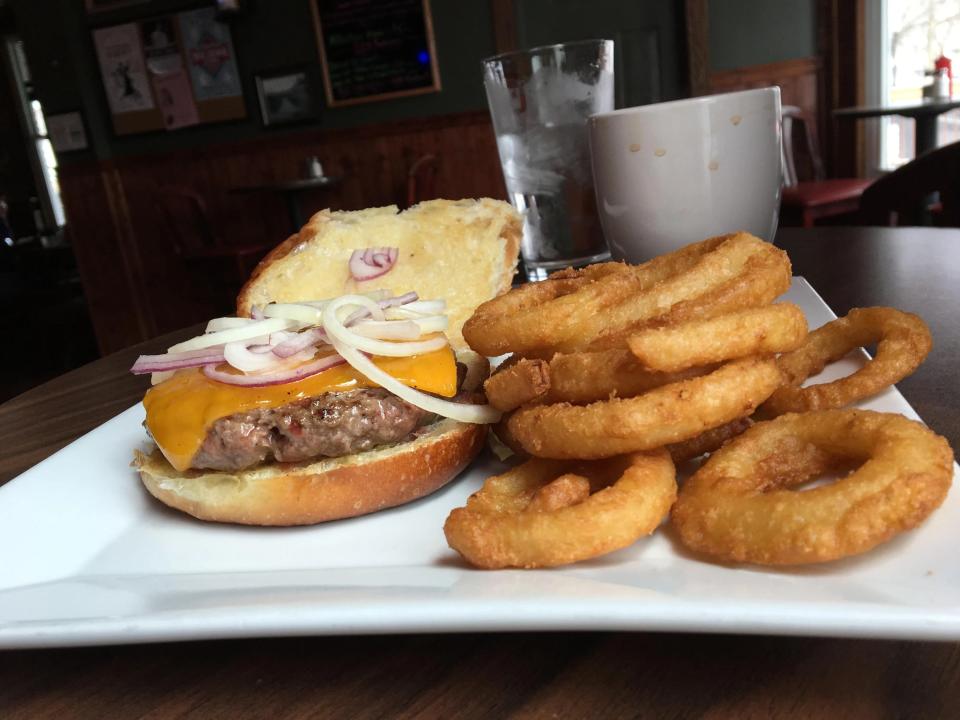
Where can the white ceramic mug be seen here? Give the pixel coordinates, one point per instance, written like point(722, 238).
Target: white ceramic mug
point(672, 173)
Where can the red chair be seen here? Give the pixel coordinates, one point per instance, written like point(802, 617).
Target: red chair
point(805, 202)
point(422, 179)
point(904, 196)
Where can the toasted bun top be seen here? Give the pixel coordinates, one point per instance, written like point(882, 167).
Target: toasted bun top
point(464, 251)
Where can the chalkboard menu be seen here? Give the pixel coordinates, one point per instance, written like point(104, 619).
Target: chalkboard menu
point(375, 49)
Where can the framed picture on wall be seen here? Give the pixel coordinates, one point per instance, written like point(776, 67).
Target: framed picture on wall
point(286, 97)
point(374, 50)
point(66, 132)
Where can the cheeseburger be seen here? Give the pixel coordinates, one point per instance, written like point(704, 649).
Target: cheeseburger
point(343, 385)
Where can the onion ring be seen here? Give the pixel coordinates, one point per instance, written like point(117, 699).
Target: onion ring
point(738, 507)
point(668, 414)
point(517, 383)
point(539, 514)
point(709, 441)
point(578, 378)
point(754, 331)
point(903, 341)
point(596, 309)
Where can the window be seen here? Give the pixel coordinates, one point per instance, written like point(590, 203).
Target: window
point(43, 159)
point(904, 37)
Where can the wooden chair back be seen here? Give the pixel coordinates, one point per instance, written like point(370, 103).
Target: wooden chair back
point(798, 130)
point(903, 196)
point(184, 212)
point(422, 179)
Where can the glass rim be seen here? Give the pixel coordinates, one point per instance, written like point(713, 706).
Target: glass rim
point(539, 49)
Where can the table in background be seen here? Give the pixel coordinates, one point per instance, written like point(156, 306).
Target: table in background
point(924, 114)
point(291, 190)
point(596, 675)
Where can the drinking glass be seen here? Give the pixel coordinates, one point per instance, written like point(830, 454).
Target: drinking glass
point(540, 100)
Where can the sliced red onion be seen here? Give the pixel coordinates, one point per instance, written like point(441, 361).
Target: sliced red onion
point(256, 313)
point(177, 361)
point(301, 341)
point(273, 378)
point(371, 263)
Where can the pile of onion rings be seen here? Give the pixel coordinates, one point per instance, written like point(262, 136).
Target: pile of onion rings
point(618, 366)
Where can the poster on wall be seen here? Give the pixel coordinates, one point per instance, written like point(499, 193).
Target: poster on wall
point(171, 84)
point(160, 46)
point(122, 67)
point(209, 53)
point(175, 99)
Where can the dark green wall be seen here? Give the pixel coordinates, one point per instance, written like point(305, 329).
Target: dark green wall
point(275, 34)
point(650, 47)
point(753, 32)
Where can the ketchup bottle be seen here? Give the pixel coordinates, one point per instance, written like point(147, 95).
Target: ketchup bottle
point(944, 62)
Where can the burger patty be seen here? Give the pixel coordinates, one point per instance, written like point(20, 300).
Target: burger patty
point(328, 425)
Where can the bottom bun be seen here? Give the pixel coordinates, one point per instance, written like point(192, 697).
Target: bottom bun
point(332, 488)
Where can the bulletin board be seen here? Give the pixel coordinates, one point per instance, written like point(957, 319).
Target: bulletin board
point(169, 72)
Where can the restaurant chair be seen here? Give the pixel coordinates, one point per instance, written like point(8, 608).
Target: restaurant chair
point(804, 202)
point(903, 197)
point(194, 240)
point(422, 179)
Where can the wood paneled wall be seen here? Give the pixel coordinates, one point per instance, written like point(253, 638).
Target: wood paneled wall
point(797, 80)
point(136, 285)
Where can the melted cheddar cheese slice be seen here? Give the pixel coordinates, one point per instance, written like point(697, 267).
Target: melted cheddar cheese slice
point(182, 409)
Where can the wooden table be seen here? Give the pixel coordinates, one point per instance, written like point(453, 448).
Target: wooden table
point(923, 112)
point(524, 675)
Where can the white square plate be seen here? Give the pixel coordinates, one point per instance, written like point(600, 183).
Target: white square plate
point(87, 557)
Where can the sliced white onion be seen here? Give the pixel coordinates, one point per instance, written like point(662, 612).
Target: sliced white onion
point(226, 323)
point(434, 324)
point(464, 412)
point(388, 329)
point(260, 328)
point(300, 312)
point(417, 309)
point(379, 294)
point(279, 377)
point(366, 308)
point(338, 331)
point(237, 354)
point(404, 299)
